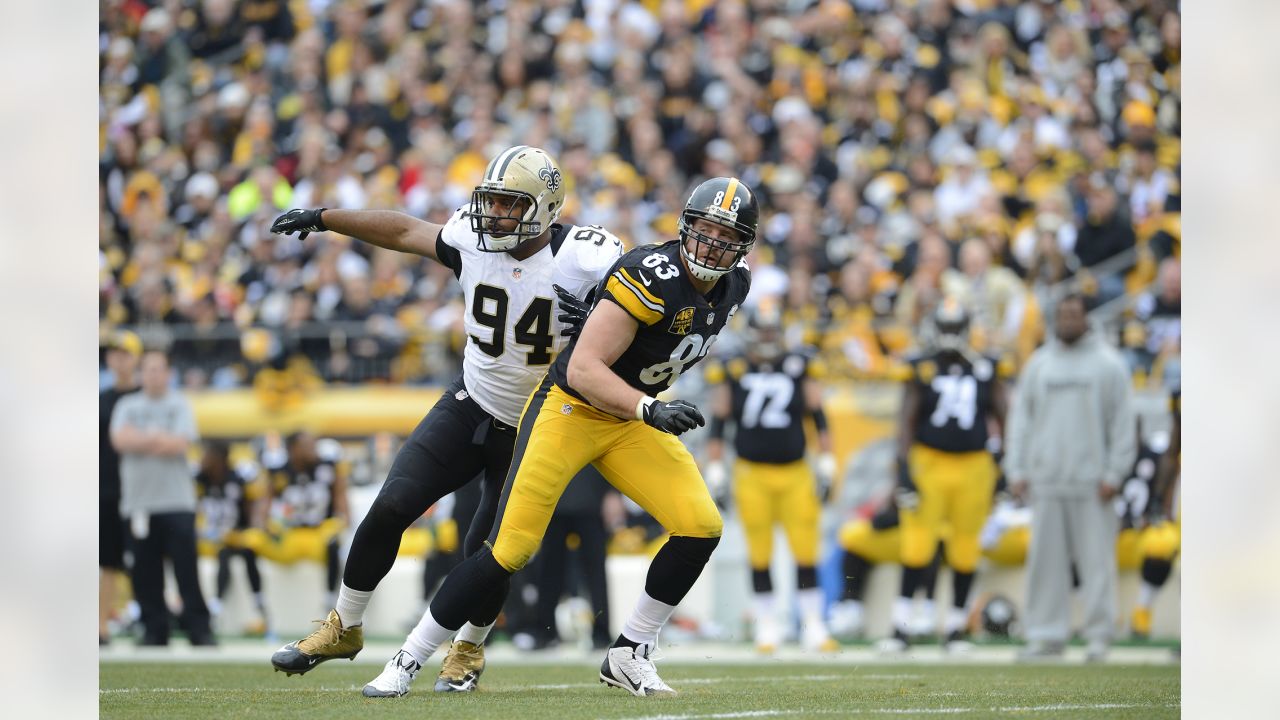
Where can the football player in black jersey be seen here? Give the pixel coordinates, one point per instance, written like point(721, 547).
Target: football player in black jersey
point(1161, 538)
point(232, 503)
point(656, 314)
point(308, 487)
point(946, 473)
point(766, 394)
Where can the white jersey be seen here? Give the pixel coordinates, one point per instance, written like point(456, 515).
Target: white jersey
point(510, 317)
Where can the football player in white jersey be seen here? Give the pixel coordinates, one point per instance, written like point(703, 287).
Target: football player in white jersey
point(512, 258)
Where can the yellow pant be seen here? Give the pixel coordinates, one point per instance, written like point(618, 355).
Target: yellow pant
point(877, 546)
point(955, 490)
point(1160, 542)
point(558, 436)
point(295, 544)
point(770, 494)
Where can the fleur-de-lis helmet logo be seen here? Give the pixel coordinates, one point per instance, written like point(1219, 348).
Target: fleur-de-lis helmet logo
point(551, 176)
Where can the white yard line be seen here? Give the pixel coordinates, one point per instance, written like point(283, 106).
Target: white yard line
point(905, 711)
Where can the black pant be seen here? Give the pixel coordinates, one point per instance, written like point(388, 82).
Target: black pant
point(438, 564)
point(171, 535)
point(250, 567)
point(553, 572)
point(456, 442)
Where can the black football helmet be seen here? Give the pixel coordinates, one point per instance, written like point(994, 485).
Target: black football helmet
point(764, 333)
point(725, 201)
point(950, 326)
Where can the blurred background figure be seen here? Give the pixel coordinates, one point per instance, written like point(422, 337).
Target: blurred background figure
point(307, 483)
point(767, 394)
point(152, 430)
point(1069, 447)
point(953, 399)
point(123, 349)
point(232, 511)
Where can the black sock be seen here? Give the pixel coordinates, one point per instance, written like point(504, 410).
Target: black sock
point(856, 569)
point(960, 585)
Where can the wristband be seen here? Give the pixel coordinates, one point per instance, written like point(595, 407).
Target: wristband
point(645, 402)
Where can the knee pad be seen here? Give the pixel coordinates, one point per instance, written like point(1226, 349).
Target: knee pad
point(963, 552)
point(513, 548)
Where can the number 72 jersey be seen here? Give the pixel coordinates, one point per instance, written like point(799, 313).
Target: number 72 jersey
point(510, 315)
point(956, 398)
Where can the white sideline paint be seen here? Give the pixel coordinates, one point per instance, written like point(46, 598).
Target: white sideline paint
point(904, 711)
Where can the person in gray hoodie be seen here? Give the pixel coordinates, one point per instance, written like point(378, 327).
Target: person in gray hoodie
point(1070, 445)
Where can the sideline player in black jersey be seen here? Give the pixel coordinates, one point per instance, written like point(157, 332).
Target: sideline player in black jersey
point(232, 511)
point(658, 312)
point(308, 489)
point(946, 473)
point(766, 393)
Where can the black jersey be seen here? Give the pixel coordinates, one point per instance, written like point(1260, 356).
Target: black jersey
point(956, 399)
point(768, 405)
point(678, 325)
point(224, 503)
point(304, 496)
point(1137, 497)
point(108, 458)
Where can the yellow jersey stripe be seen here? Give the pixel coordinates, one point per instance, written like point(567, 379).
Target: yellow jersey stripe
point(631, 302)
point(657, 301)
point(732, 190)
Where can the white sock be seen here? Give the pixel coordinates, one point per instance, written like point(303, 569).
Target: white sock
point(260, 602)
point(810, 603)
point(475, 634)
point(1146, 594)
point(351, 605)
point(425, 638)
point(902, 614)
point(764, 606)
point(215, 606)
point(646, 620)
point(957, 619)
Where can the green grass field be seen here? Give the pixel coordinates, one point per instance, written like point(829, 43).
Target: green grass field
point(533, 692)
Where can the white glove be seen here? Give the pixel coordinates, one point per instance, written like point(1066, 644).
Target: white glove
point(824, 470)
point(717, 480)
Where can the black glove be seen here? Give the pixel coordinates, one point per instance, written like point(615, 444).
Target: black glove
point(675, 417)
point(303, 222)
point(905, 494)
point(573, 312)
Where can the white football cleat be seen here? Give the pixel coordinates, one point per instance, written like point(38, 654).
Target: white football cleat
point(633, 671)
point(846, 619)
point(395, 678)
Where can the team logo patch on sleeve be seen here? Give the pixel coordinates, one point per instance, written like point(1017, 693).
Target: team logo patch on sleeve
point(682, 322)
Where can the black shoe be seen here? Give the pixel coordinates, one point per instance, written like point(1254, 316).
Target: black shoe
point(152, 641)
point(203, 640)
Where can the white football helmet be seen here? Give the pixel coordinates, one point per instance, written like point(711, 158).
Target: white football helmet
point(525, 178)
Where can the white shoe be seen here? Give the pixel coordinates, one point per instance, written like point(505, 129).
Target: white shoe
point(815, 638)
point(768, 636)
point(395, 678)
point(846, 619)
point(633, 671)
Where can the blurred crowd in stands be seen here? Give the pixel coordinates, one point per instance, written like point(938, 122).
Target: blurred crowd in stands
point(998, 150)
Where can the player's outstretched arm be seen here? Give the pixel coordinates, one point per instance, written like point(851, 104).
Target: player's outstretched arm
point(385, 228)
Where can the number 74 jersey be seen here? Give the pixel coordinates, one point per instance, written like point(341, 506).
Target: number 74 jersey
point(956, 398)
point(510, 314)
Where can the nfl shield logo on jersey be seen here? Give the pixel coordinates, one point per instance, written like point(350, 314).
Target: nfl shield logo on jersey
point(517, 272)
point(682, 322)
point(567, 409)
